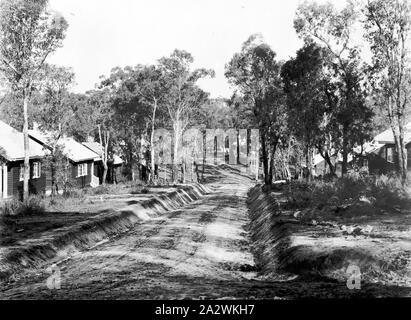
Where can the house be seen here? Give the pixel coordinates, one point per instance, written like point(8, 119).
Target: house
point(380, 153)
point(81, 159)
point(12, 164)
point(114, 164)
point(377, 156)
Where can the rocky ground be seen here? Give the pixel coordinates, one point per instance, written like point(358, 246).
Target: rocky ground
point(202, 251)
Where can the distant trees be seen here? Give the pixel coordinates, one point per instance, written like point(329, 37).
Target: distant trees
point(183, 97)
point(132, 114)
point(256, 73)
point(101, 121)
point(388, 25)
point(54, 115)
point(165, 93)
point(310, 103)
point(28, 34)
point(333, 30)
point(146, 84)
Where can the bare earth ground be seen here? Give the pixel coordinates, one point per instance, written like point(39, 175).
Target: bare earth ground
point(382, 249)
point(70, 212)
point(200, 251)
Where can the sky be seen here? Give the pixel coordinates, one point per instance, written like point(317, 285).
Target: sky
point(103, 34)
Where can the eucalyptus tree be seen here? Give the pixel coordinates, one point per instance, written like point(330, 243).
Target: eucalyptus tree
point(255, 72)
point(29, 33)
point(388, 25)
point(334, 31)
point(183, 96)
point(144, 86)
point(54, 114)
point(310, 99)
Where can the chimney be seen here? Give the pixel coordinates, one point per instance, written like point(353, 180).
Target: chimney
point(35, 126)
point(90, 138)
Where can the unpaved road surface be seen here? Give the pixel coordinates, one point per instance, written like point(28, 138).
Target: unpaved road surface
point(200, 251)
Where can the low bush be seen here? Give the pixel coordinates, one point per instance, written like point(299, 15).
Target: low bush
point(34, 205)
point(101, 189)
point(140, 190)
point(75, 193)
point(383, 192)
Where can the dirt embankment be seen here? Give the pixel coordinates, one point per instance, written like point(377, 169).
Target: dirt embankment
point(287, 246)
point(61, 243)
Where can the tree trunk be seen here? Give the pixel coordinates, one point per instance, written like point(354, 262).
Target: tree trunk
point(176, 151)
point(308, 164)
point(104, 145)
point(267, 179)
point(183, 172)
point(401, 157)
point(152, 141)
point(105, 166)
point(271, 175)
point(330, 165)
point(204, 156)
point(26, 146)
point(53, 178)
point(344, 166)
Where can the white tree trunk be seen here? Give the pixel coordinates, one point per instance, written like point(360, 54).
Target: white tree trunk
point(152, 141)
point(26, 146)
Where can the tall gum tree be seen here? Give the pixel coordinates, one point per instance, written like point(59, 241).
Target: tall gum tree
point(310, 102)
point(29, 33)
point(100, 102)
point(388, 25)
point(54, 113)
point(143, 85)
point(183, 97)
point(255, 72)
point(334, 30)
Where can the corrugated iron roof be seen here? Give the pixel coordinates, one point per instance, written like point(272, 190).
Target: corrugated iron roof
point(98, 148)
point(73, 150)
point(12, 142)
point(387, 137)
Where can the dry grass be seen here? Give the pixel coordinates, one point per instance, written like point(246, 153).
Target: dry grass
point(380, 192)
point(34, 205)
point(332, 227)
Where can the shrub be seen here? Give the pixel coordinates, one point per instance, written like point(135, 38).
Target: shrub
point(101, 189)
point(74, 193)
point(384, 191)
point(140, 190)
point(11, 207)
point(32, 206)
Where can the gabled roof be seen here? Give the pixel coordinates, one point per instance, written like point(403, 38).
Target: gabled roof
point(73, 150)
point(98, 148)
point(387, 137)
point(12, 142)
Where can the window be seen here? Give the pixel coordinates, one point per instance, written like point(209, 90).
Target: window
point(81, 169)
point(390, 154)
point(21, 172)
point(36, 170)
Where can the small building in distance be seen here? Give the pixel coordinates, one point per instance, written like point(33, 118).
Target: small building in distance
point(376, 156)
point(115, 163)
point(381, 154)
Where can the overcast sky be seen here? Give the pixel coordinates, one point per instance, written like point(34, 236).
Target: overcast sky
point(103, 34)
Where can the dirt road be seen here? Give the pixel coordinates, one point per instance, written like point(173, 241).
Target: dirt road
point(201, 251)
